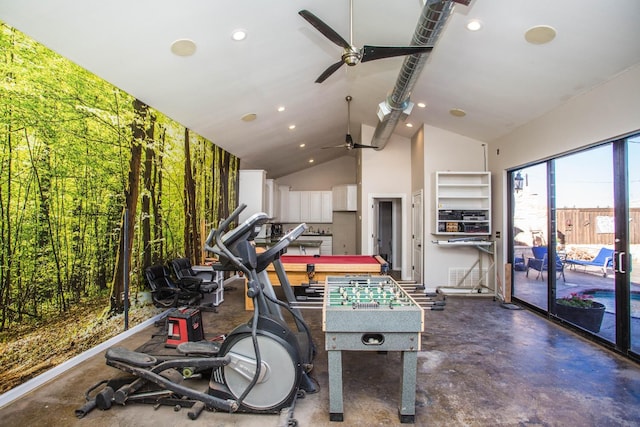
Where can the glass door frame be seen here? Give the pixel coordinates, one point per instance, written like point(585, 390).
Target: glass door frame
point(622, 239)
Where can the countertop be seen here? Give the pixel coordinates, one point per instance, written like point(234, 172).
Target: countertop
point(263, 242)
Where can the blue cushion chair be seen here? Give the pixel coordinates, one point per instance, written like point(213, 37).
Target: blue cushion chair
point(540, 264)
point(603, 260)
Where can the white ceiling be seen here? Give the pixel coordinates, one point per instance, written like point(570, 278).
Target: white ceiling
point(499, 79)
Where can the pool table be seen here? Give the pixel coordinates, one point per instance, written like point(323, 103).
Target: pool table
point(302, 268)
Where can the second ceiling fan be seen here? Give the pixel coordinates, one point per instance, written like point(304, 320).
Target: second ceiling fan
point(348, 140)
point(351, 54)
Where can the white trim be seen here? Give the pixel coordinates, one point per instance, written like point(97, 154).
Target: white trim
point(404, 259)
point(47, 376)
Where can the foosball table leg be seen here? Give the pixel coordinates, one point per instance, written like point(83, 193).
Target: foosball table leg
point(407, 410)
point(334, 362)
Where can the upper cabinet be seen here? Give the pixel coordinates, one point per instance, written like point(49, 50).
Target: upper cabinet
point(252, 192)
point(345, 197)
point(305, 206)
point(463, 203)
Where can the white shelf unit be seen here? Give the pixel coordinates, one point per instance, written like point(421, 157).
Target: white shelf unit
point(463, 203)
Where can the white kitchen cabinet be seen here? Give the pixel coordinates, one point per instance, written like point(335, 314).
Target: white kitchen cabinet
point(305, 206)
point(327, 207)
point(283, 203)
point(326, 245)
point(294, 212)
point(345, 197)
point(252, 192)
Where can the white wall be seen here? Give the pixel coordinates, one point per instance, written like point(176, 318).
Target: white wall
point(385, 174)
point(609, 110)
point(323, 176)
point(446, 151)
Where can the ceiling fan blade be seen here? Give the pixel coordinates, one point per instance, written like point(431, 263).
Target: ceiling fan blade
point(370, 53)
point(356, 145)
point(335, 146)
point(326, 30)
point(332, 69)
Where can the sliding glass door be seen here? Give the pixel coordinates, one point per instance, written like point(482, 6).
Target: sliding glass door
point(633, 267)
point(530, 236)
point(585, 223)
point(575, 223)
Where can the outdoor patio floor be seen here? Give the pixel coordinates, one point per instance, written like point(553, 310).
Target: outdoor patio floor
point(534, 291)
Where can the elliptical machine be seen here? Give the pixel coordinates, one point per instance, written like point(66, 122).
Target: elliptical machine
point(258, 368)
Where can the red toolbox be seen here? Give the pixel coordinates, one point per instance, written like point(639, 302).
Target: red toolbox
point(184, 325)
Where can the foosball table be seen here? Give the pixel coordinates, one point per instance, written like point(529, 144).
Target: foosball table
point(371, 313)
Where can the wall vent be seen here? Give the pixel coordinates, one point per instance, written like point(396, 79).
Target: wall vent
point(456, 275)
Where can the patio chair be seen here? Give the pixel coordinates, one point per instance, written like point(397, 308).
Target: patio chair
point(603, 260)
point(540, 264)
point(167, 293)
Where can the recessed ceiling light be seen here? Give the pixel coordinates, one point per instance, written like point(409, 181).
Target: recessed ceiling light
point(281, 109)
point(302, 145)
point(310, 160)
point(239, 35)
point(421, 104)
point(249, 117)
point(409, 125)
point(457, 112)
point(474, 25)
point(540, 34)
point(292, 127)
point(183, 47)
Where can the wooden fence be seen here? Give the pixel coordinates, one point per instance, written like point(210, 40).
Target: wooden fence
point(592, 226)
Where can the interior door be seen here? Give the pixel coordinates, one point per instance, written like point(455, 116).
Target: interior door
point(375, 238)
point(417, 224)
point(385, 231)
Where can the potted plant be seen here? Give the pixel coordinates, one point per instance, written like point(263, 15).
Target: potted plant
point(582, 310)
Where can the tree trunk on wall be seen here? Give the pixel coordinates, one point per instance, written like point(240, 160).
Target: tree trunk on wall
point(191, 233)
point(149, 159)
point(131, 201)
point(156, 202)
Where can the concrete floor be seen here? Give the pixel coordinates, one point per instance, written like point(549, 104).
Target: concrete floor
point(480, 365)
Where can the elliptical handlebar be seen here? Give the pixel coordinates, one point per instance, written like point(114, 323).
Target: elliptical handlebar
point(219, 244)
point(233, 247)
point(224, 224)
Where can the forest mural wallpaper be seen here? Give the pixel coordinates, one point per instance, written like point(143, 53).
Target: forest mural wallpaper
point(76, 153)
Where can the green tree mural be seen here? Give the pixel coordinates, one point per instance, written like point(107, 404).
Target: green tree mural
point(75, 153)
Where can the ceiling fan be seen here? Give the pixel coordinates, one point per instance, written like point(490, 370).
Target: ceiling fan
point(349, 144)
point(351, 54)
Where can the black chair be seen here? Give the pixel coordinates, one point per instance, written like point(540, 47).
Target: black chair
point(167, 293)
point(184, 272)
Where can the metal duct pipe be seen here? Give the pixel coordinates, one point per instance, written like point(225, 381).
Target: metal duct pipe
point(434, 16)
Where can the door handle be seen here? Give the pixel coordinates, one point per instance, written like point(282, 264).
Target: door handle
point(620, 258)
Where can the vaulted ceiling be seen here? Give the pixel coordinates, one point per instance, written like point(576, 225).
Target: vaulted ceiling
point(494, 74)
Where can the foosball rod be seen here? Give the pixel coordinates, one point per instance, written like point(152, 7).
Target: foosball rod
point(307, 306)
